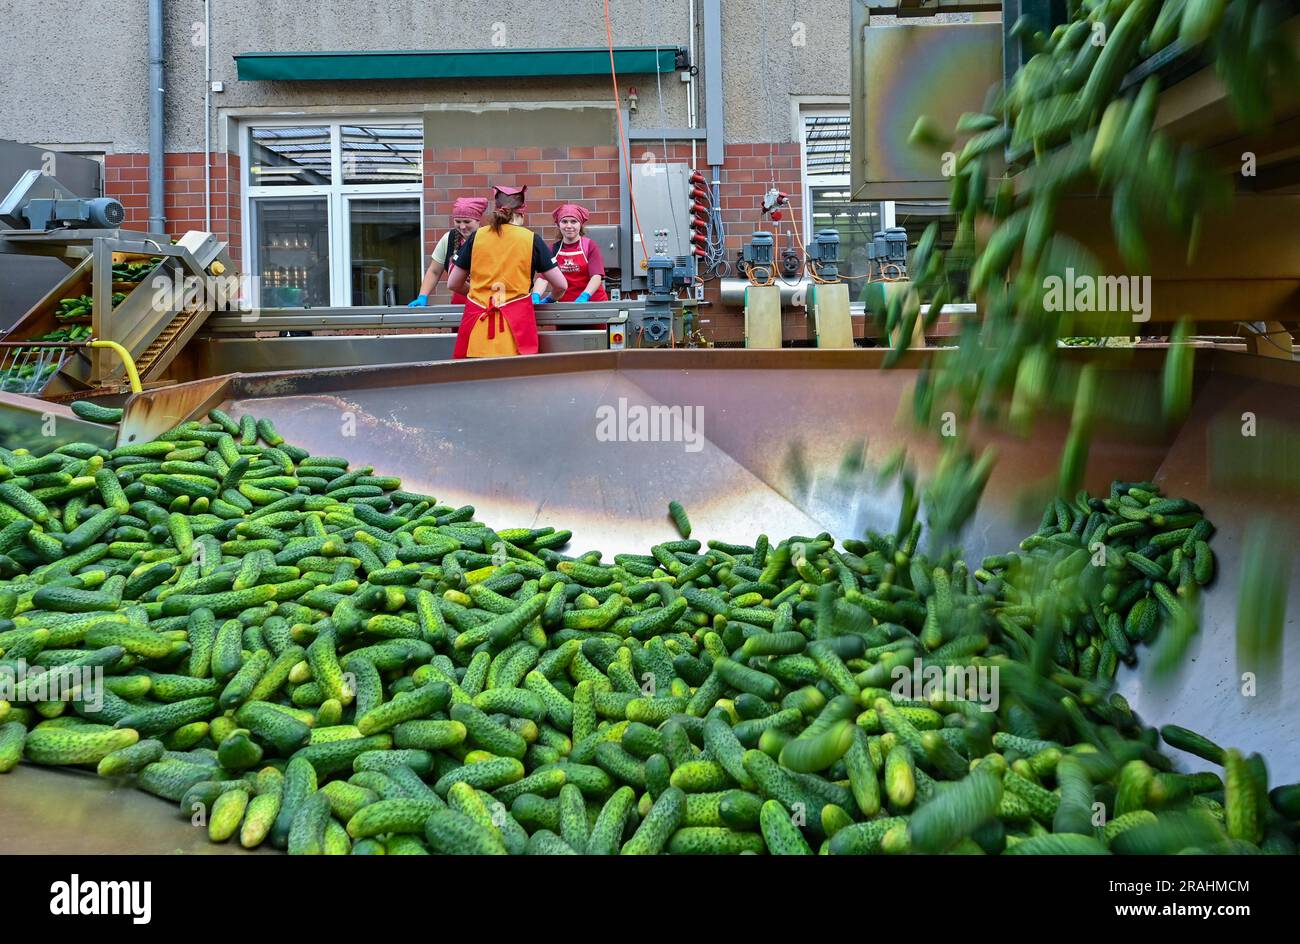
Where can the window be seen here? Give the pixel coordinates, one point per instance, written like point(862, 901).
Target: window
point(334, 212)
point(826, 190)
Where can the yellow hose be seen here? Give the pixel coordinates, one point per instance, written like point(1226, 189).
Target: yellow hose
point(131, 374)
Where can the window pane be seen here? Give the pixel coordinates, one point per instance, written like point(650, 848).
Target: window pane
point(383, 154)
point(289, 157)
point(856, 222)
point(826, 141)
point(291, 251)
point(385, 262)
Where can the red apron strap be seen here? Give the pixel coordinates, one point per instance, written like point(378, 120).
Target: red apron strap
point(517, 317)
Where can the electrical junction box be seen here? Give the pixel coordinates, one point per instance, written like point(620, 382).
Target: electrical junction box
point(661, 193)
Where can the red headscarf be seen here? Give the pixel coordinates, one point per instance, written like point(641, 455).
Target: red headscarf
point(469, 208)
point(579, 213)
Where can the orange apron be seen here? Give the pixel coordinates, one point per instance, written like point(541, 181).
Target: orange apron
point(499, 269)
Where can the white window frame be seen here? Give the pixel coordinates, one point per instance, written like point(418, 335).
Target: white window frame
point(345, 227)
point(336, 194)
point(805, 109)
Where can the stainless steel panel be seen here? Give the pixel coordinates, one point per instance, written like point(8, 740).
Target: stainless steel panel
point(216, 356)
point(60, 811)
point(42, 426)
point(900, 73)
point(660, 192)
point(607, 236)
point(224, 355)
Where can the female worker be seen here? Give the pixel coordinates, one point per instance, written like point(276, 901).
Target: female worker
point(578, 257)
point(496, 268)
point(466, 213)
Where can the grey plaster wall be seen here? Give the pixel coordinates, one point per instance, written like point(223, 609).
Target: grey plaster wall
point(93, 91)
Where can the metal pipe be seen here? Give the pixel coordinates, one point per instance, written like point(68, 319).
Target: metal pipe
point(207, 116)
point(733, 293)
point(157, 213)
point(714, 138)
point(690, 81)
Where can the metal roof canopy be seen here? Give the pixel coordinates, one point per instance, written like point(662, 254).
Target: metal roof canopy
point(456, 63)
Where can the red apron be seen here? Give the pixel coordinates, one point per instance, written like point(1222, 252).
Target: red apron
point(497, 331)
point(572, 261)
point(458, 299)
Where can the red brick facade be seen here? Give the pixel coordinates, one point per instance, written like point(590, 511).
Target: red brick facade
point(591, 176)
point(588, 175)
point(126, 178)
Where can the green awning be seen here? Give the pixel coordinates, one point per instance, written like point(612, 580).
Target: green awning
point(455, 63)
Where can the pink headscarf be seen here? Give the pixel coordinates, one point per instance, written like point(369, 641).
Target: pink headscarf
point(469, 208)
point(512, 191)
point(571, 209)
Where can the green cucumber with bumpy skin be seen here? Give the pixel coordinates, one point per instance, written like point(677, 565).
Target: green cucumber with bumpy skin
point(307, 831)
point(453, 833)
point(863, 780)
point(12, 736)
point(606, 833)
point(273, 726)
point(780, 834)
point(70, 746)
point(97, 412)
point(130, 759)
point(391, 816)
point(299, 783)
point(711, 840)
point(163, 719)
point(659, 824)
point(405, 706)
point(864, 838)
point(486, 775)
point(1191, 742)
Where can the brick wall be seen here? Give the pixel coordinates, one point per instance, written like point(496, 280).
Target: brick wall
point(126, 178)
point(590, 176)
point(587, 175)
point(748, 171)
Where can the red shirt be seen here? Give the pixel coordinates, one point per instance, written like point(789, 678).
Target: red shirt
point(579, 262)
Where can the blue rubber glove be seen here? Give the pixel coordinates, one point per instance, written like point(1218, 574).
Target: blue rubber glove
point(538, 300)
point(419, 302)
point(584, 297)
